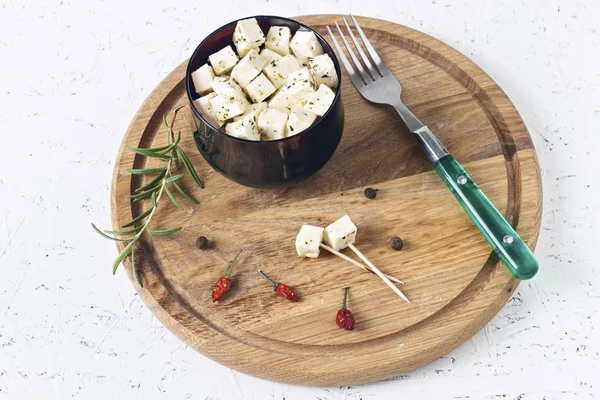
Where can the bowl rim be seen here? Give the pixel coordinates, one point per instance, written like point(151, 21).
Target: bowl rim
point(188, 73)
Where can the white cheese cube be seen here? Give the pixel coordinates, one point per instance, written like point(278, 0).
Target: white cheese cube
point(298, 89)
point(227, 106)
point(247, 36)
point(305, 44)
point(271, 124)
point(303, 62)
point(245, 128)
point(252, 110)
point(278, 40)
point(300, 119)
point(260, 88)
point(223, 60)
point(226, 86)
point(303, 75)
point(320, 101)
point(308, 241)
point(269, 55)
point(248, 68)
point(323, 70)
point(205, 108)
point(340, 233)
point(278, 70)
point(202, 78)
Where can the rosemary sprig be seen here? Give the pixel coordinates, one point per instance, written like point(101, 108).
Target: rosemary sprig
point(171, 154)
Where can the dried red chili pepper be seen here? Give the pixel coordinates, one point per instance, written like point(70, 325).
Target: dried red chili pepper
point(224, 282)
point(281, 289)
point(345, 318)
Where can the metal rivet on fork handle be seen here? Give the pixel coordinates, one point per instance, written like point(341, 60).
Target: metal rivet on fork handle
point(461, 180)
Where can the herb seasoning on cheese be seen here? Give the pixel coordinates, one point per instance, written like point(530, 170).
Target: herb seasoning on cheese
point(276, 86)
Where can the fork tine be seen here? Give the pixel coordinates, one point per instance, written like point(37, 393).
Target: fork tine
point(359, 83)
point(380, 65)
point(357, 63)
point(374, 72)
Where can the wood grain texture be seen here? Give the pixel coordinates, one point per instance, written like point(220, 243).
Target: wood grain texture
point(456, 286)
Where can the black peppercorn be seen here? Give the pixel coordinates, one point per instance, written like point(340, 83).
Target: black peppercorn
point(370, 193)
point(202, 243)
point(396, 243)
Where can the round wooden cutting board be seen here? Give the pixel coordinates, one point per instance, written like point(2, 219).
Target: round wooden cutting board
point(456, 286)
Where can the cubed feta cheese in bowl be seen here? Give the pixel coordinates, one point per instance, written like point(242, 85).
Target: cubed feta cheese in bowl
point(248, 68)
point(323, 70)
point(252, 109)
point(278, 40)
point(272, 123)
point(226, 86)
point(278, 71)
point(298, 89)
point(260, 88)
point(305, 44)
point(269, 55)
point(205, 108)
point(203, 78)
point(320, 101)
point(281, 157)
point(300, 119)
point(247, 36)
point(225, 107)
point(244, 128)
point(223, 60)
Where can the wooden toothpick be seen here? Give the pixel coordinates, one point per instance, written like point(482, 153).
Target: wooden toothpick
point(378, 272)
point(345, 257)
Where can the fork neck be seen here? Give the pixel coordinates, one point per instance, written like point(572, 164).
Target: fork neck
point(412, 122)
point(432, 146)
point(428, 141)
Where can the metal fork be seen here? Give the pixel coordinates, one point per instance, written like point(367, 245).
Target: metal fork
point(376, 83)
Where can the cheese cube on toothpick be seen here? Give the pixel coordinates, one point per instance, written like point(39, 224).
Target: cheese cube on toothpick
point(309, 240)
point(340, 233)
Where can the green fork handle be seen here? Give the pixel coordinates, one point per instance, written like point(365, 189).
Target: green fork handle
point(511, 249)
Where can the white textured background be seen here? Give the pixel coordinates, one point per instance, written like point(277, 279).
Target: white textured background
point(72, 75)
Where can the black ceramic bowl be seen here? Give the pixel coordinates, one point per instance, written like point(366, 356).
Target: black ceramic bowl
point(265, 164)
